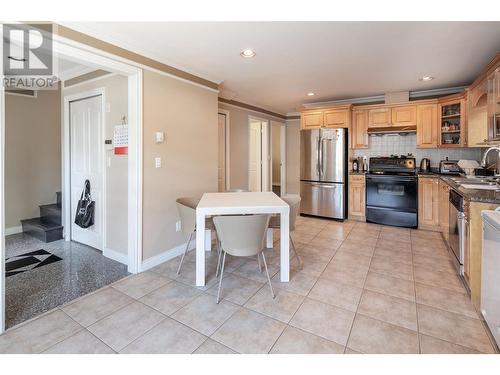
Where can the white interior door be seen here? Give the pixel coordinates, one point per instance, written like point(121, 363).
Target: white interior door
point(222, 152)
point(283, 159)
point(255, 158)
point(265, 155)
point(86, 153)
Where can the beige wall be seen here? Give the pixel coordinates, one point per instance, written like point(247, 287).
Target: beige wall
point(188, 116)
point(32, 154)
point(116, 88)
point(238, 143)
point(293, 156)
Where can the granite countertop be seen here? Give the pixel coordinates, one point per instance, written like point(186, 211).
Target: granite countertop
point(474, 195)
point(360, 173)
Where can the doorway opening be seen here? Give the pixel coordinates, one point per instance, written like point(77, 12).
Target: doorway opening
point(224, 180)
point(278, 158)
point(259, 159)
point(54, 141)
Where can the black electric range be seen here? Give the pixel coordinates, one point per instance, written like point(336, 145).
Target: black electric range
point(392, 192)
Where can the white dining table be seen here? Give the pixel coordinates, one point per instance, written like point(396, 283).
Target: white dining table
point(240, 203)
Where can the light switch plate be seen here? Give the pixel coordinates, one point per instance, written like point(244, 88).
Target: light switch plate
point(157, 162)
point(159, 137)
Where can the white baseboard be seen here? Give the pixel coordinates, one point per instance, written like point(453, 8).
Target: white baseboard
point(165, 256)
point(115, 255)
point(13, 230)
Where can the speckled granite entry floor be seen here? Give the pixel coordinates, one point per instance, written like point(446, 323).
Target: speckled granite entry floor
point(82, 270)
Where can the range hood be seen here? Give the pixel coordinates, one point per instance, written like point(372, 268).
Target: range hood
point(392, 130)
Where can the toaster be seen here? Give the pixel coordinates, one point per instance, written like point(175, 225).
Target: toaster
point(449, 167)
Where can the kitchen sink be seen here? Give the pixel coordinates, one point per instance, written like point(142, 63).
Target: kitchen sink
point(480, 186)
point(488, 183)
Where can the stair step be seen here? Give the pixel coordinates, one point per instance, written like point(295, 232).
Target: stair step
point(46, 232)
point(50, 214)
point(59, 198)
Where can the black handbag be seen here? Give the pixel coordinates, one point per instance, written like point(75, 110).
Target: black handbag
point(85, 210)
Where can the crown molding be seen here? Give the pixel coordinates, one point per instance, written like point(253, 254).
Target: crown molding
point(381, 98)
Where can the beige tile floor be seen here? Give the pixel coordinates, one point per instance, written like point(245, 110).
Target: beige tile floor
point(364, 288)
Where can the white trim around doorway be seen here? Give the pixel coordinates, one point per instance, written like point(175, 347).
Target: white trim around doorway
point(227, 146)
point(77, 52)
point(2, 204)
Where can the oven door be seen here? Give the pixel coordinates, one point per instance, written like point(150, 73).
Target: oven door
point(392, 192)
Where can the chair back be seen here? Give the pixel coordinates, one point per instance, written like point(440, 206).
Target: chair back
point(237, 191)
point(242, 235)
point(293, 200)
point(186, 207)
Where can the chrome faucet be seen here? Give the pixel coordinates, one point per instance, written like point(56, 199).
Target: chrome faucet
point(497, 167)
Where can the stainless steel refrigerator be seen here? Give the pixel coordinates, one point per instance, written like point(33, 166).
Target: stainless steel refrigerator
point(323, 172)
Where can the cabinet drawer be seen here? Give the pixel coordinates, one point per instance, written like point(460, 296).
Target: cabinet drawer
point(357, 179)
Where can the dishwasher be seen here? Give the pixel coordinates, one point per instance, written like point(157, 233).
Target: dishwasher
point(490, 272)
point(457, 230)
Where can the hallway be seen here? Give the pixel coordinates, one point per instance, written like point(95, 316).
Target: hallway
point(42, 276)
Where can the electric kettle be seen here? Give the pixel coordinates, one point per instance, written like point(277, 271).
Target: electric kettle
point(425, 165)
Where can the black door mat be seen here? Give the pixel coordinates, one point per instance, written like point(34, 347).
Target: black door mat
point(28, 261)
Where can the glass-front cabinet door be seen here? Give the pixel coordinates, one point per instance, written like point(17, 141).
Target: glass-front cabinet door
point(452, 124)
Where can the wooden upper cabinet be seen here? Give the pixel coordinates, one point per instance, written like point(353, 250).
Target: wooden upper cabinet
point(404, 116)
point(359, 134)
point(336, 118)
point(452, 122)
point(428, 204)
point(427, 125)
point(379, 117)
point(311, 120)
point(477, 115)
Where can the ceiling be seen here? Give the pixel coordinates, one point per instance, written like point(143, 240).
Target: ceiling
point(336, 60)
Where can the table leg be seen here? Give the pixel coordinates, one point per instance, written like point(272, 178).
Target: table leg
point(208, 240)
point(285, 247)
point(200, 249)
point(269, 238)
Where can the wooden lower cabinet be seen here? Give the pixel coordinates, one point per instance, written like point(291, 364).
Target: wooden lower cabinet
point(356, 201)
point(444, 209)
point(428, 203)
point(473, 254)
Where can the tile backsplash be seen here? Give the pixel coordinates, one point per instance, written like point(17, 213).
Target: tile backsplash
point(389, 144)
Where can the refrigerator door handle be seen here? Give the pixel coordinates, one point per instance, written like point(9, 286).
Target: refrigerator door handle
point(327, 186)
point(320, 156)
point(318, 140)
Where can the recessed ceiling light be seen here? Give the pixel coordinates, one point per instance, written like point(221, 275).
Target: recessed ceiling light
point(310, 94)
point(426, 78)
point(247, 53)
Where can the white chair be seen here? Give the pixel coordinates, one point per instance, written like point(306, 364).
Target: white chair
point(241, 236)
point(293, 200)
point(186, 207)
